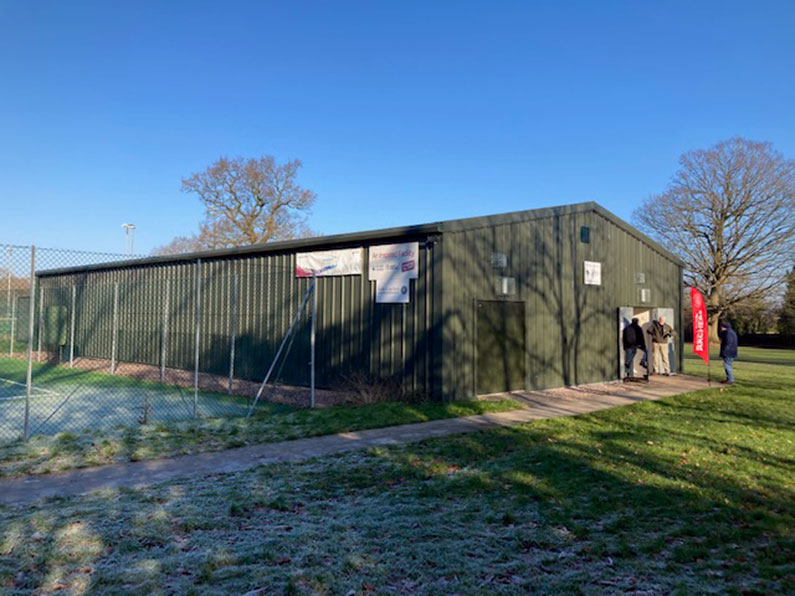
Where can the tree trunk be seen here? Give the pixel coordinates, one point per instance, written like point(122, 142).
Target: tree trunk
point(713, 314)
point(713, 328)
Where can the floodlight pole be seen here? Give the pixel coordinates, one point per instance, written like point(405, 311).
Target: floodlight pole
point(312, 342)
point(129, 239)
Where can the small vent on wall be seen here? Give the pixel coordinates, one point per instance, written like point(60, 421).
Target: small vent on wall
point(506, 286)
point(645, 295)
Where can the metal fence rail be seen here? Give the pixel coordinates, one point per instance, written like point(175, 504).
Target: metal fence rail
point(82, 353)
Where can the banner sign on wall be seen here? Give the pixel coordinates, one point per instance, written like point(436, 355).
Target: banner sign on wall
point(391, 267)
point(347, 261)
point(700, 337)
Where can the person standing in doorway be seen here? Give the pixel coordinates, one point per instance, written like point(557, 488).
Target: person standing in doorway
point(728, 350)
point(633, 340)
point(660, 333)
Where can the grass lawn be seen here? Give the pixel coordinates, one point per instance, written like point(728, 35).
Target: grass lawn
point(690, 495)
point(270, 423)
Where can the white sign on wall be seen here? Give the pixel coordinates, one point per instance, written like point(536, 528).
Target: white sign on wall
point(593, 273)
point(347, 261)
point(392, 291)
point(392, 266)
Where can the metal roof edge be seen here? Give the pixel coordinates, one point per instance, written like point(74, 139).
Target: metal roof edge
point(483, 221)
point(353, 238)
point(321, 242)
point(531, 214)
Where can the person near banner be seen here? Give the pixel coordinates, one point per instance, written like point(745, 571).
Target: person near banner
point(728, 350)
point(633, 340)
point(660, 333)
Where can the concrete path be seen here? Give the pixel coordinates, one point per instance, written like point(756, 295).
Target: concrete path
point(542, 404)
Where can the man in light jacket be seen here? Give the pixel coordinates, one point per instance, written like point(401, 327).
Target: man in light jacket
point(660, 333)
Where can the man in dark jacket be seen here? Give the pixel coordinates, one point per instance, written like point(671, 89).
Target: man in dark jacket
point(728, 350)
point(632, 339)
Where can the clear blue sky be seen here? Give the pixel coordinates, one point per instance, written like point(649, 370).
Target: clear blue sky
point(403, 112)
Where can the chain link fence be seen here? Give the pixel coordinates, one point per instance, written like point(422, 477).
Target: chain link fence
point(84, 352)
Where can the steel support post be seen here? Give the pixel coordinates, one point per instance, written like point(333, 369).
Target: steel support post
point(13, 324)
point(312, 342)
point(41, 322)
point(232, 333)
point(196, 341)
point(164, 331)
point(31, 319)
point(115, 331)
point(72, 329)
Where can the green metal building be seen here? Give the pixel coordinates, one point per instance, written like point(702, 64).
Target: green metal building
point(524, 300)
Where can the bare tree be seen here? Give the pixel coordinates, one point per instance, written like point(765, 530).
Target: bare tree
point(250, 201)
point(183, 244)
point(729, 213)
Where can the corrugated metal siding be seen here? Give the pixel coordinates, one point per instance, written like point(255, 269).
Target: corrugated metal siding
point(354, 334)
point(572, 328)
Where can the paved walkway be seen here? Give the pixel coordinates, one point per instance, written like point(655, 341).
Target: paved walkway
point(541, 404)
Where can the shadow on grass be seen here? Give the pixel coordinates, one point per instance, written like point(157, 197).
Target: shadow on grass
point(679, 509)
point(771, 361)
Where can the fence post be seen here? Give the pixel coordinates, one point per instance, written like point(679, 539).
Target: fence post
point(31, 318)
point(115, 330)
point(9, 255)
point(164, 332)
point(72, 328)
point(232, 333)
point(196, 341)
point(312, 342)
point(13, 324)
point(41, 322)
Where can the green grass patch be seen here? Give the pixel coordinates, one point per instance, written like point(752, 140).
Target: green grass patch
point(689, 495)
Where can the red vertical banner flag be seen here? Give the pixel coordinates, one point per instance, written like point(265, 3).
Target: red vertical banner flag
point(700, 337)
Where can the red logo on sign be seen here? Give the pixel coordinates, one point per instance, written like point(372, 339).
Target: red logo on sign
point(407, 266)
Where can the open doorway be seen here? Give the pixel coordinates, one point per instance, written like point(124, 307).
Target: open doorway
point(645, 316)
